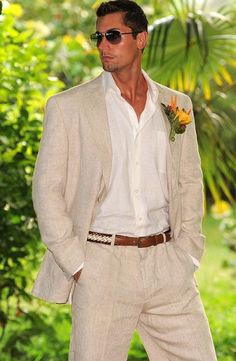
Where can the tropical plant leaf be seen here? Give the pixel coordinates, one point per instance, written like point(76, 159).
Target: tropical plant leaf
point(194, 51)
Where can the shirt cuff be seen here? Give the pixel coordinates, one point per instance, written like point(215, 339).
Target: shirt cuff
point(195, 261)
point(79, 268)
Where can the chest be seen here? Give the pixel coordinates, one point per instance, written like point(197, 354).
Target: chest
point(142, 142)
point(138, 105)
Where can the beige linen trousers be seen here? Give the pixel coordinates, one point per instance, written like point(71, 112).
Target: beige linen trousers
point(120, 288)
point(149, 289)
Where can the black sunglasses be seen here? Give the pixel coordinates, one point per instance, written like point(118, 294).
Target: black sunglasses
point(113, 36)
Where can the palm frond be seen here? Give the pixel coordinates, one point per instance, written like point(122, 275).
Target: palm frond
point(194, 52)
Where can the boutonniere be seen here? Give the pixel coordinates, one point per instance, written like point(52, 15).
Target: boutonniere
point(178, 118)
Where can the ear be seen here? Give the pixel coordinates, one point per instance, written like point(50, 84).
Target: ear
point(141, 40)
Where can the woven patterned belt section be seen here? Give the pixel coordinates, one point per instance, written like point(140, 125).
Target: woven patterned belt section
point(130, 241)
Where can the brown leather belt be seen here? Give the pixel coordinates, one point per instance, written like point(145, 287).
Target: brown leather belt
point(140, 242)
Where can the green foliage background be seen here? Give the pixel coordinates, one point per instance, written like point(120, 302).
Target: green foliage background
point(45, 49)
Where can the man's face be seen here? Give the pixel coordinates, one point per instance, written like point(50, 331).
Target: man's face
point(117, 57)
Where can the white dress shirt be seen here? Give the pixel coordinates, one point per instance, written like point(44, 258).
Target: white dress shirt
point(137, 200)
point(136, 203)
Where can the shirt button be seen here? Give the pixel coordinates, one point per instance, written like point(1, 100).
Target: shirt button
point(136, 190)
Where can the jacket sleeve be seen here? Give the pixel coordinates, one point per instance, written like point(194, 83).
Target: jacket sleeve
point(49, 180)
point(191, 238)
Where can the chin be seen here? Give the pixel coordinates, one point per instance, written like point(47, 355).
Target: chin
point(109, 67)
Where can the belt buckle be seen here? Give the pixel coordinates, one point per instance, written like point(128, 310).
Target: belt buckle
point(139, 242)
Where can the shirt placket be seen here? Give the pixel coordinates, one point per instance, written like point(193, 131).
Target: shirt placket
point(135, 172)
point(137, 189)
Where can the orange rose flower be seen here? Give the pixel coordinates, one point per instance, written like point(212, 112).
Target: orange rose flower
point(178, 118)
point(184, 117)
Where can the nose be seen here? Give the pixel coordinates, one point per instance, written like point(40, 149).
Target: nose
point(104, 44)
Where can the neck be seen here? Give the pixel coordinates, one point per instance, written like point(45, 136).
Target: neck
point(130, 83)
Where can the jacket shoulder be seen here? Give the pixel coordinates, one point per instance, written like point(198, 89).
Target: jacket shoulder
point(77, 91)
point(167, 93)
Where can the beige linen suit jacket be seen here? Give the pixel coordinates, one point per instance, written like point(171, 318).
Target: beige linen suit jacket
point(72, 175)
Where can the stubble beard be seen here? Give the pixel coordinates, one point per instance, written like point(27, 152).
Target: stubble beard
point(110, 67)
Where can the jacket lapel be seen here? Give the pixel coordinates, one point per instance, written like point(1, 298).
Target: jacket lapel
point(172, 147)
point(173, 158)
point(94, 106)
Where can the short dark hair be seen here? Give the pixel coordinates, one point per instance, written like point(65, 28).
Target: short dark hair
point(134, 16)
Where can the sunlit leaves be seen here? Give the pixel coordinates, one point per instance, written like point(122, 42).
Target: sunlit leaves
point(15, 10)
point(192, 39)
point(194, 51)
point(25, 83)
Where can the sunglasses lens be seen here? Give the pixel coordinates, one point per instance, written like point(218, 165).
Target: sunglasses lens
point(113, 36)
point(96, 38)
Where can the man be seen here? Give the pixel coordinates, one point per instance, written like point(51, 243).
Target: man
point(119, 206)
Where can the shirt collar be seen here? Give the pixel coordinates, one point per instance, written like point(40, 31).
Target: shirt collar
point(110, 85)
point(152, 88)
